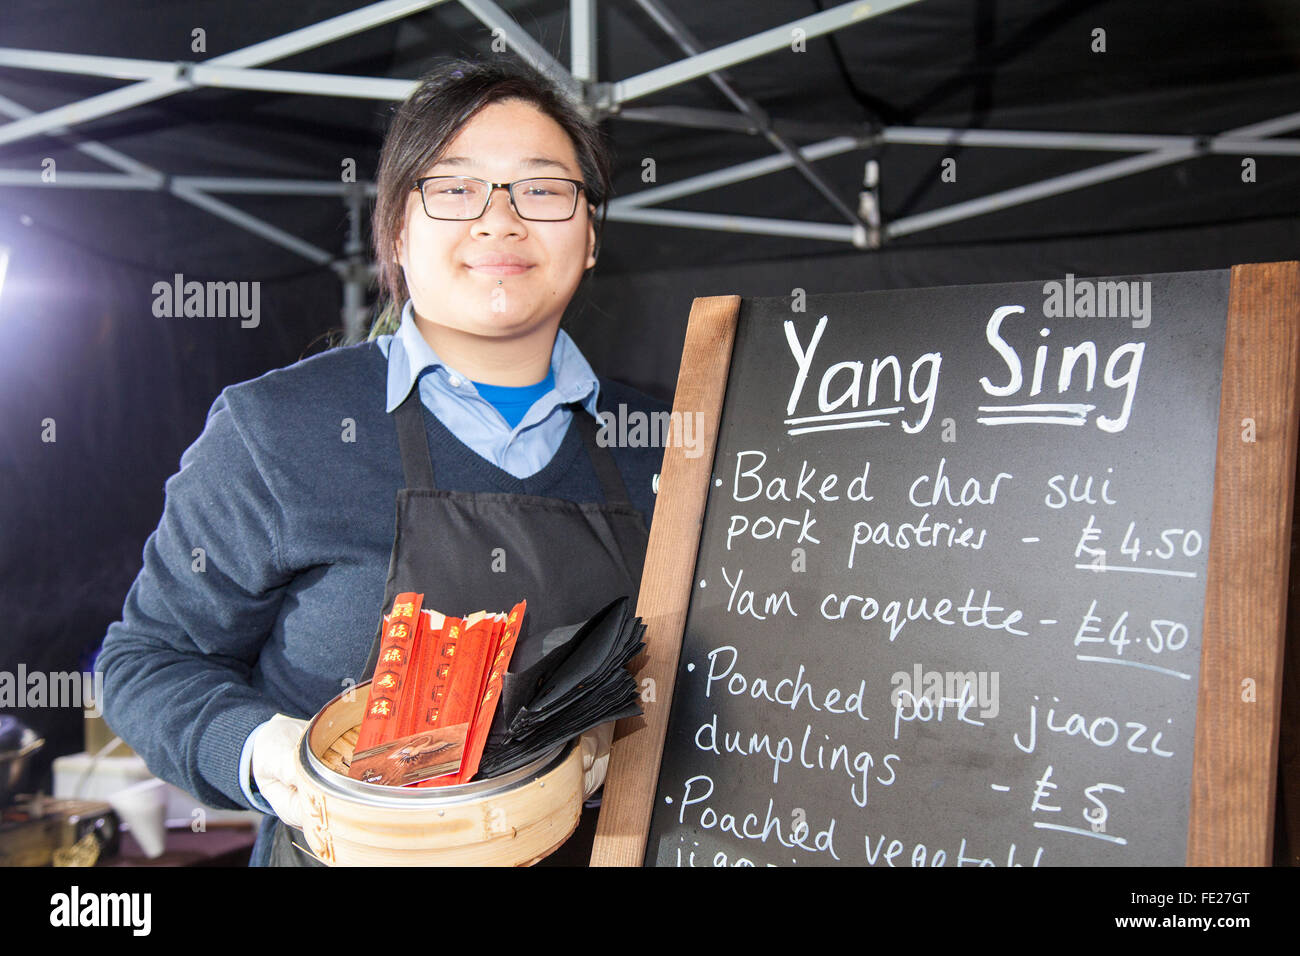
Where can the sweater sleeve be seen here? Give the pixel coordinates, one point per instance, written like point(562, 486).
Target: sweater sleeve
point(177, 667)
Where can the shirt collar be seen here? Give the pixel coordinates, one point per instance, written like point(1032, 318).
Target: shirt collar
point(409, 354)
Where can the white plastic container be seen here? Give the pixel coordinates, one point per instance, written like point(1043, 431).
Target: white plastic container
point(74, 779)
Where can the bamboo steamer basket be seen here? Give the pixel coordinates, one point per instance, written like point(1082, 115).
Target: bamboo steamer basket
point(514, 819)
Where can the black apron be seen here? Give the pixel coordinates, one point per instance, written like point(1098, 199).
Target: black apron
point(567, 559)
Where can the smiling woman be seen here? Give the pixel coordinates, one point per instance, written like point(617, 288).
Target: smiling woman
point(263, 589)
point(490, 273)
point(496, 274)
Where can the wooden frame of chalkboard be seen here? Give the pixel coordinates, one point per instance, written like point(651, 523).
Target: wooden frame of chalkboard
point(1240, 677)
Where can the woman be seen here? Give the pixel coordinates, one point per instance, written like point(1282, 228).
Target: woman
point(263, 586)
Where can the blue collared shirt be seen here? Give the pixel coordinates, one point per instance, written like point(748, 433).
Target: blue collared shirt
point(522, 451)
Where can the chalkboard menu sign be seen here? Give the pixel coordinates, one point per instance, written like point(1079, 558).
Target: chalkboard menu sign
point(950, 582)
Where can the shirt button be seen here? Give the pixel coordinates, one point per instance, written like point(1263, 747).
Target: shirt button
point(455, 382)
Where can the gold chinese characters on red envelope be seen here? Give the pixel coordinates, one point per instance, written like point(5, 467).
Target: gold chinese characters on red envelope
point(433, 694)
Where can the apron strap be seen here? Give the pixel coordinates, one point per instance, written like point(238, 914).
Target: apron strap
point(417, 464)
point(607, 473)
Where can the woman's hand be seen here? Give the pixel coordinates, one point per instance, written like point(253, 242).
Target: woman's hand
point(275, 766)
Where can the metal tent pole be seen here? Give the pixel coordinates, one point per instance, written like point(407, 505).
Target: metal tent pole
point(734, 174)
point(691, 116)
point(846, 14)
point(138, 175)
point(798, 228)
point(354, 271)
point(528, 49)
point(582, 40)
point(1078, 179)
point(276, 48)
point(1088, 142)
point(684, 39)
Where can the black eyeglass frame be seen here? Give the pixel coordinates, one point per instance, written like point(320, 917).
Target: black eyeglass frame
point(510, 191)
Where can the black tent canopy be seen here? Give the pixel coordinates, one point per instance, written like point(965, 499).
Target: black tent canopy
point(792, 127)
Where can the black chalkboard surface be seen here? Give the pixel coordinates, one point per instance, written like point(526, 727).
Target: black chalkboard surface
point(949, 591)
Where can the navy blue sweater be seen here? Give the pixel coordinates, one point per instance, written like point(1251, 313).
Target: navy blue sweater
point(262, 586)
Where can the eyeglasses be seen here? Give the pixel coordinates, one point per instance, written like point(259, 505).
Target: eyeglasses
point(464, 197)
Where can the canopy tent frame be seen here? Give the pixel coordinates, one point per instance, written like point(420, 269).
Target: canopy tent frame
point(243, 69)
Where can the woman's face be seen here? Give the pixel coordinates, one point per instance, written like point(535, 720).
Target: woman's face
point(498, 276)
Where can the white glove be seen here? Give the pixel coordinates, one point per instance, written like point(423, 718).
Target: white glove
point(275, 766)
point(595, 757)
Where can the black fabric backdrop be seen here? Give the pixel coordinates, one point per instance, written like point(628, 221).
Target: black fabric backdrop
point(634, 325)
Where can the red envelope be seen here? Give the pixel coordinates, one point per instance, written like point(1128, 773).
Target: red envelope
point(433, 694)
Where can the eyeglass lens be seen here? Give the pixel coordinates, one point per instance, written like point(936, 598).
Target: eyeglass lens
point(458, 197)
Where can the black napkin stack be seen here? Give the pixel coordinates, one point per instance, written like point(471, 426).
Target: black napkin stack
point(562, 683)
